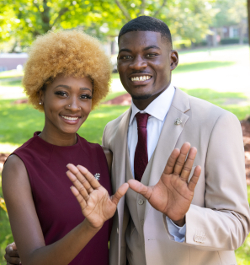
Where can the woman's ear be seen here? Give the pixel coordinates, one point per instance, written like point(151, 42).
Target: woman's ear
point(174, 59)
point(41, 96)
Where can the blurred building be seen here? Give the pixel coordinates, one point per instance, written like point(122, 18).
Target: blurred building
point(10, 61)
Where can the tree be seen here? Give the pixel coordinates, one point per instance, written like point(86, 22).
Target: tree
point(23, 20)
point(230, 13)
point(248, 13)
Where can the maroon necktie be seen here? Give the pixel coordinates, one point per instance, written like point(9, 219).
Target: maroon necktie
point(141, 151)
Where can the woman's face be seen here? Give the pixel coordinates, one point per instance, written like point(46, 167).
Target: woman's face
point(67, 103)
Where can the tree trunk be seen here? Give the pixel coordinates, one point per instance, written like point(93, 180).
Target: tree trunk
point(248, 12)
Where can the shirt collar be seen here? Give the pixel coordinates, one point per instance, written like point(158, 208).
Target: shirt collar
point(159, 107)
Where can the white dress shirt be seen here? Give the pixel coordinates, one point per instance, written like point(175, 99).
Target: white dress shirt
point(158, 110)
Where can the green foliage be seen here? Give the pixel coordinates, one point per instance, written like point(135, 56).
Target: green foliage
point(232, 41)
point(229, 12)
point(21, 21)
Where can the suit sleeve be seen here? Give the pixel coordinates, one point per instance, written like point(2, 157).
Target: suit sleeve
point(104, 138)
point(223, 223)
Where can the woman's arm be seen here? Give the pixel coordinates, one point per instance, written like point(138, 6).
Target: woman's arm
point(26, 227)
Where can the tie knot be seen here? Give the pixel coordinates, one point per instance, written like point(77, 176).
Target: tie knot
point(142, 119)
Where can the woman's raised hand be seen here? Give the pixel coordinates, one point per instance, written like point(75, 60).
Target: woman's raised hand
point(96, 204)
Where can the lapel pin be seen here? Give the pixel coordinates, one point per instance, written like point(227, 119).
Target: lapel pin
point(178, 121)
point(97, 176)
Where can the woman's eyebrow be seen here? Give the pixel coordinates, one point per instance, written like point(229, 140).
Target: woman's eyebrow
point(65, 86)
point(69, 87)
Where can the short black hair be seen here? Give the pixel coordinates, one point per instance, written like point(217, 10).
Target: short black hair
point(146, 23)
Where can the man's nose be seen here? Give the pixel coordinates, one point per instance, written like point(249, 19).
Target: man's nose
point(138, 63)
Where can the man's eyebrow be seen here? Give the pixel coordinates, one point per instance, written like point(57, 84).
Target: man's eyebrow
point(145, 49)
point(151, 47)
point(69, 87)
point(124, 50)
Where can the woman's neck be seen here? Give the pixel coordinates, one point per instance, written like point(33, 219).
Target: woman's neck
point(62, 139)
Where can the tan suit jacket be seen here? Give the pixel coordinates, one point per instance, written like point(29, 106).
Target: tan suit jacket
point(218, 219)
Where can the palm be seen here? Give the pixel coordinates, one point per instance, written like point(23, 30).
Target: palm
point(96, 204)
point(99, 207)
point(173, 194)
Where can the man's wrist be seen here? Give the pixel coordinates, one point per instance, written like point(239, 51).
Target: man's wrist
point(180, 222)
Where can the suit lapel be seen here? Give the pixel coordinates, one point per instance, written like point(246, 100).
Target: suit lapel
point(169, 136)
point(120, 152)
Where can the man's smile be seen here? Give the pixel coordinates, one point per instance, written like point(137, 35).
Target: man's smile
point(140, 78)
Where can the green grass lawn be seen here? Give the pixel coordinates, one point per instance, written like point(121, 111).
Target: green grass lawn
point(19, 121)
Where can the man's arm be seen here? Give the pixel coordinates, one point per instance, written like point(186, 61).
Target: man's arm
point(223, 223)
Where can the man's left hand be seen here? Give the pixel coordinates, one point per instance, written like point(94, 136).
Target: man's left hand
point(173, 194)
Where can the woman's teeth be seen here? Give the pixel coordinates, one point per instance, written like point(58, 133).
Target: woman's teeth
point(70, 118)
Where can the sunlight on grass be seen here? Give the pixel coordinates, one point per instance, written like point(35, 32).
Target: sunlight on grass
point(199, 66)
point(11, 73)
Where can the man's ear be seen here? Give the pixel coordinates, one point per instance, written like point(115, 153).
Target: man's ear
point(174, 60)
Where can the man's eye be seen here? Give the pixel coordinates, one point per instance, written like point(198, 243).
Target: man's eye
point(150, 55)
point(85, 96)
point(61, 93)
point(125, 57)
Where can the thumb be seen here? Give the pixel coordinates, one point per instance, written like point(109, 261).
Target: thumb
point(138, 187)
point(119, 193)
point(13, 245)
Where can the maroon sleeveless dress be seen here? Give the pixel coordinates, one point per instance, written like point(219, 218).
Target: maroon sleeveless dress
point(56, 207)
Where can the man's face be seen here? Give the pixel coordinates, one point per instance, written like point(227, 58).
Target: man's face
point(145, 62)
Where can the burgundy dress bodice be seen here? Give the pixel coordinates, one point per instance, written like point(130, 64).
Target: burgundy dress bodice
point(56, 206)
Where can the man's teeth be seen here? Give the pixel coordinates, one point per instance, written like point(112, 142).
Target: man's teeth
point(70, 118)
point(140, 78)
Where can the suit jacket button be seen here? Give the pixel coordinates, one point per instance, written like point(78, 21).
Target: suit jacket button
point(140, 201)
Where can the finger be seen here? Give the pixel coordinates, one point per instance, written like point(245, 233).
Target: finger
point(12, 259)
point(11, 250)
point(13, 245)
point(188, 164)
point(89, 177)
point(169, 168)
point(181, 158)
point(140, 188)
point(119, 193)
point(80, 177)
point(193, 181)
point(78, 185)
point(78, 196)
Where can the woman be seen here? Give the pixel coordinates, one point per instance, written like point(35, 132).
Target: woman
point(66, 75)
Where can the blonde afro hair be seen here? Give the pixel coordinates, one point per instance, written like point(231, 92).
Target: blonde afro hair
point(70, 53)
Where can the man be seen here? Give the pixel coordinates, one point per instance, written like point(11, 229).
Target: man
point(154, 231)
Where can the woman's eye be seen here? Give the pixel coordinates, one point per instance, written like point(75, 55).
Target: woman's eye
point(86, 96)
point(61, 93)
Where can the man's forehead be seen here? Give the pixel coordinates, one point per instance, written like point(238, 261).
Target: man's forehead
point(142, 38)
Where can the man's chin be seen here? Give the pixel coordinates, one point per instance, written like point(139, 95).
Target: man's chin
point(140, 97)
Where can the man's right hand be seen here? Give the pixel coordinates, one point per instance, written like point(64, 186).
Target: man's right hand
point(11, 254)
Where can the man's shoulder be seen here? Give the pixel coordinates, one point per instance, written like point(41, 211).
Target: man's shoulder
point(205, 114)
point(116, 122)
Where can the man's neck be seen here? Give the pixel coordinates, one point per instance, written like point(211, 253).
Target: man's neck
point(142, 104)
